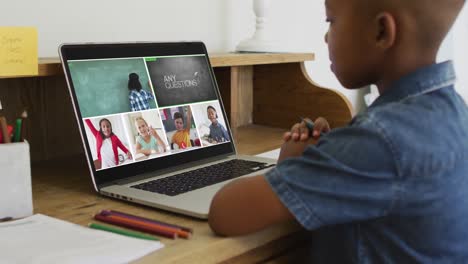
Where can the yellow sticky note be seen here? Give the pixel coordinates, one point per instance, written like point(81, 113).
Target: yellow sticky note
point(18, 51)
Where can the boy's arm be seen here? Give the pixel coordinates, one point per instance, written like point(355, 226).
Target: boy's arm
point(258, 207)
point(232, 214)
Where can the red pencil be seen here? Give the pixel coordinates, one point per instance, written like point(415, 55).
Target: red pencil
point(113, 212)
point(117, 222)
point(155, 226)
point(4, 128)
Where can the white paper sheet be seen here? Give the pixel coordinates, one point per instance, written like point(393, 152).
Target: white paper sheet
point(42, 239)
point(273, 154)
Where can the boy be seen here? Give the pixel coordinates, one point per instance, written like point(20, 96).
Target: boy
point(182, 136)
point(391, 186)
point(217, 132)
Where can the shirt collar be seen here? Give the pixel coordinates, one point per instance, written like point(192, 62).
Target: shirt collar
point(424, 80)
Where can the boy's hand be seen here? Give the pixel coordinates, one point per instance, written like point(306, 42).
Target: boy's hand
point(320, 126)
point(291, 149)
point(300, 131)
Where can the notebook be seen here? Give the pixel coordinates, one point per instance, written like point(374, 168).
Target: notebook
point(153, 125)
point(44, 239)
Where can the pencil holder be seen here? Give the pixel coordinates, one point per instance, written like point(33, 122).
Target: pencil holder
point(15, 180)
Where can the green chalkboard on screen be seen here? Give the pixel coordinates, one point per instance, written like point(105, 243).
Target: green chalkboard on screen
point(101, 86)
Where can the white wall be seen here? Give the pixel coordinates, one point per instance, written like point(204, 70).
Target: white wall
point(460, 52)
point(298, 24)
point(220, 24)
point(117, 20)
point(455, 48)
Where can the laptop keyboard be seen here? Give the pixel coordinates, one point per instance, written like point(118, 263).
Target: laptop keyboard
point(199, 178)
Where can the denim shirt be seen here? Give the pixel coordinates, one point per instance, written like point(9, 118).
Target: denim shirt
point(392, 186)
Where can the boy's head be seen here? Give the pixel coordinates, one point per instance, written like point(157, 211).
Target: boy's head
point(212, 115)
point(379, 41)
point(178, 121)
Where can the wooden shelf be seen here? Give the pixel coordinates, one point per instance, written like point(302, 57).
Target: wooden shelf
point(52, 66)
point(246, 59)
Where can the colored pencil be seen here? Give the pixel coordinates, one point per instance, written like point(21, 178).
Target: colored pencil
point(134, 226)
point(17, 133)
point(4, 127)
point(121, 231)
point(190, 230)
point(154, 226)
point(310, 125)
point(24, 115)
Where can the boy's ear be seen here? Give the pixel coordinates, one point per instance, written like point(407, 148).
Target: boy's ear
point(386, 30)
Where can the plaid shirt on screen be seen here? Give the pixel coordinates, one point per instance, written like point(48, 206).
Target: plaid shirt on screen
point(139, 100)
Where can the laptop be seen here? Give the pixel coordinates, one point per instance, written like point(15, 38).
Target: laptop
point(153, 125)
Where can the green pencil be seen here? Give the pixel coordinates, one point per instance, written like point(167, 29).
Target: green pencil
point(122, 231)
point(17, 133)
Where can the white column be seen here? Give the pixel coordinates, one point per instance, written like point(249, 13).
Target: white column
point(263, 38)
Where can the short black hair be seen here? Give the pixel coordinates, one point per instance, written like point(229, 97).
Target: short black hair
point(211, 107)
point(134, 82)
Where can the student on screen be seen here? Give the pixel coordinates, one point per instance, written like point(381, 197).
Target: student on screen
point(217, 131)
point(107, 144)
point(148, 140)
point(182, 136)
point(139, 98)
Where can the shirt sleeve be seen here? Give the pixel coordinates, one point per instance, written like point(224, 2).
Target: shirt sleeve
point(225, 133)
point(120, 145)
point(139, 140)
point(149, 95)
point(91, 127)
point(350, 175)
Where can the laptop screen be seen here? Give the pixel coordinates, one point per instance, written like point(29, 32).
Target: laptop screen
point(138, 111)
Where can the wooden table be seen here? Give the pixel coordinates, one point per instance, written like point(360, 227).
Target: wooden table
point(264, 94)
point(63, 189)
